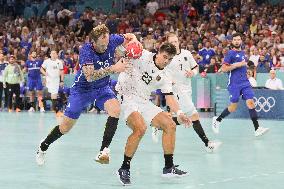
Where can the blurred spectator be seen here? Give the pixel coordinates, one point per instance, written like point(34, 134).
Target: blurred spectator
point(251, 79)
point(152, 6)
point(207, 53)
point(263, 65)
point(274, 59)
point(274, 83)
point(149, 42)
point(214, 66)
point(254, 57)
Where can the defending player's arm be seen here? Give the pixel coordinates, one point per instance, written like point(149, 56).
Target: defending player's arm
point(166, 89)
point(194, 67)
point(43, 68)
point(174, 107)
point(91, 74)
point(229, 67)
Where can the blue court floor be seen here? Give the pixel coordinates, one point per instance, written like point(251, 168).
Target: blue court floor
point(242, 162)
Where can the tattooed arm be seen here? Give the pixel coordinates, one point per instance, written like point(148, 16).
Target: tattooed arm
point(91, 74)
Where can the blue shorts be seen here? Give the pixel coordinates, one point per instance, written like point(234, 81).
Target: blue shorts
point(235, 92)
point(77, 102)
point(35, 84)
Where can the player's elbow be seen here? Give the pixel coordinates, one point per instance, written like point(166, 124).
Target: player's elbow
point(225, 68)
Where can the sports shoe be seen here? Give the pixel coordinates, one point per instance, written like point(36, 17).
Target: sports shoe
point(215, 125)
point(92, 110)
point(40, 156)
point(42, 110)
point(31, 109)
point(155, 134)
point(260, 131)
point(173, 172)
point(124, 176)
point(104, 156)
point(212, 146)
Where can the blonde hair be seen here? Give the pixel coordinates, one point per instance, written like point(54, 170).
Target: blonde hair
point(171, 34)
point(98, 31)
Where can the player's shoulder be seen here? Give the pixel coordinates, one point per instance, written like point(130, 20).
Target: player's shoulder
point(231, 52)
point(146, 56)
point(185, 52)
point(86, 47)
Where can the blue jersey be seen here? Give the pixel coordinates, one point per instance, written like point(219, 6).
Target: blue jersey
point(88, 56)
point(238, 76)
point(34, 68)
point(206, 54)
point(26, 45)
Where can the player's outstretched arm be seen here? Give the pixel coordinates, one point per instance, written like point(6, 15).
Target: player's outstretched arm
point(91, 74)
point(174, 107)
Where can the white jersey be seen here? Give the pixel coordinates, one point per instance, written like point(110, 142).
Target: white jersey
point(143, 78)
point(53, 68)
point(177, 70)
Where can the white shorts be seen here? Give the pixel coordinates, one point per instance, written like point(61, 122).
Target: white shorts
point(52, 85)
point(146, 108)
point(186, 104)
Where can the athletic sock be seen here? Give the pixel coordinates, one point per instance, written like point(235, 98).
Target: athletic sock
point(168, 160)
point(199, 130)
point(51, 137)
point(126, 162)
point(111, 126)
point(254, 118)
point(224, 114)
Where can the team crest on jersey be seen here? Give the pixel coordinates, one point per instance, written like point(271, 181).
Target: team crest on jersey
point(158, 78)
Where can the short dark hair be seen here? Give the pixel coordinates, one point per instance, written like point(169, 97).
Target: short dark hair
point(168, 48)
point(237, 34)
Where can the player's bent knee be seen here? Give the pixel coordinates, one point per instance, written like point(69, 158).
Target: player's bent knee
point(250, 104)
point(114, 112)
point(140, 131)
point(232, 108)
point(169, 126)
point(66, 125)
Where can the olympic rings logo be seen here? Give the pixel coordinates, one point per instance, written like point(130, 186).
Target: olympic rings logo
point(264, 104)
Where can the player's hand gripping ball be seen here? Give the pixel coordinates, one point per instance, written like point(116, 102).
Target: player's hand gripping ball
point(134, 50)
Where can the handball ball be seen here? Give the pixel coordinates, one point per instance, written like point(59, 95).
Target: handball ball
point(134, 50)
